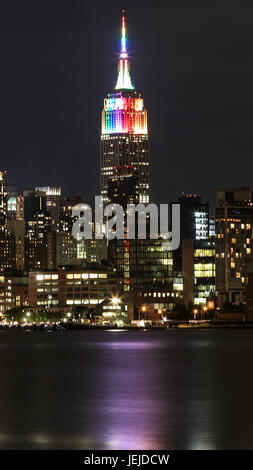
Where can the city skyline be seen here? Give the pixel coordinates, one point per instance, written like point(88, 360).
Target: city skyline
point(36, 228)
point(126, 230)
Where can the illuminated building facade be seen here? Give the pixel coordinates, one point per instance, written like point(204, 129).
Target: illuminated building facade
point(194, 223)
point(7, 239)
point(69, 251)
point(234, 250)
point(3, 200)
point(212, 227)
point(38, 223)
point(202, 223)
point(36, 213)
point(71, 287)
point(13, 292)
point(194, 260)
point(66, 219)
point(11, 201)
point(20, 291)
point(20, 215)
point(115, 311)
point(122, 186)
point(124, 135)
point(53, 204)
point(194, 215)
point(145, 275)
point(144, 265)
point(66, 249)
point(204, 257)
point(7, 251)
point(6, 293)
point(17, 229)
point(204, 270)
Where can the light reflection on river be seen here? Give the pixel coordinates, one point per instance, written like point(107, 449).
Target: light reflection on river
point(126, 390)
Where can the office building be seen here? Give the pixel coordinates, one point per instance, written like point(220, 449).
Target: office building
point(234, 256)
point(71, 287)
point(53, 204)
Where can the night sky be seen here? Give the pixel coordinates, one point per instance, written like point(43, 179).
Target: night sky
point(191, 60)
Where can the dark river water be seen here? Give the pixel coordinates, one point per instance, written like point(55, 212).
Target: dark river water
point(180, 389)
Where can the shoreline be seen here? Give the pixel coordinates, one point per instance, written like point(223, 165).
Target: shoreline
point(181, 326)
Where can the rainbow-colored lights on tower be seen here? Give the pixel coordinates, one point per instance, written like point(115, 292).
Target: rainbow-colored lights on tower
point(124, 134)
point(124, 110)
point(124, 79)
point(124, 114)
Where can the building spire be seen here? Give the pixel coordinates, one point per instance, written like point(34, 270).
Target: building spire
point(123, 36)
point(124, 79)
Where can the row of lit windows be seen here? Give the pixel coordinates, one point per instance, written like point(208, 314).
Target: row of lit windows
point(159, 294)
point(42, 277)
point(84, 302)
point(86, 276)
point(204, 252)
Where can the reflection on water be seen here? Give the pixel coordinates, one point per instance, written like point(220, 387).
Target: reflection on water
point(126, 390)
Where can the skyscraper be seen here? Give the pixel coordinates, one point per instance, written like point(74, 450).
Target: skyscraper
point(38, 224)
point(144, 267)
point(234, 254)
point(7, 240)
point(53, 203)
point(194, 260)
point(124, 135)
point(3, 201)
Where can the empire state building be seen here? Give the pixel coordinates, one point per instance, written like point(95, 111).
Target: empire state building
point(124, 153)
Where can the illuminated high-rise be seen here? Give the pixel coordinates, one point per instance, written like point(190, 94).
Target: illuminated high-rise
point(53, 202)
point(7, 239)
point(124, 135)
point(38, 225)
point(144, 267)
point(3, 200)
point(233, 243)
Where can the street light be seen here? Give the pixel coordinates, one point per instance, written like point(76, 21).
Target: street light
point(143, 309)
point(115, 300)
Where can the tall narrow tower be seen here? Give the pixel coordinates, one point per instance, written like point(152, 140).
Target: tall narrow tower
point(3, 200)
point(124, 135)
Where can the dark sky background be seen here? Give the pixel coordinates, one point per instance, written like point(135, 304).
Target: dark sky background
point(191, 60)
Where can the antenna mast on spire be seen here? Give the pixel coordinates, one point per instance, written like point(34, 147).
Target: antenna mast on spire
point(124, 79)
